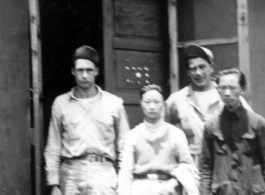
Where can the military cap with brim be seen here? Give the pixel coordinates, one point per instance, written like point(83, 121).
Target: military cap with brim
point(193, 50)
point(87, 53)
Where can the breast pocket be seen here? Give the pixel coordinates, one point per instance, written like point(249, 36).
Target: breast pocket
point(249, 144)
point(105, 118)
point(73, 126)
point(221, 147)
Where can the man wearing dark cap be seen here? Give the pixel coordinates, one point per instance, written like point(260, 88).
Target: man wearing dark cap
point(190, 107)
point(86, 134)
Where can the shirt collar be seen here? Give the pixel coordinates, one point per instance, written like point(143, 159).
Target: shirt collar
point(191, 91)
point(215, 97)
point(239, 111)
point(153, 133)
point(154, 127)
point(72, 97)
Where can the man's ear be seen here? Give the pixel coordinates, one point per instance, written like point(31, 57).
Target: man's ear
point(73, 71)
point(140, 102)
point(97, 71)
point(212, 67)
point(242, 91)
point(188, 72)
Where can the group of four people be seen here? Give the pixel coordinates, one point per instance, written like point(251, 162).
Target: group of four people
point(206, 126)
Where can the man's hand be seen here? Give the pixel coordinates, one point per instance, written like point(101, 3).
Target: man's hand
point(170, 187)
point(56, 191)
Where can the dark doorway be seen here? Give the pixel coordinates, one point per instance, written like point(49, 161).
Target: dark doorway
point(66, 25)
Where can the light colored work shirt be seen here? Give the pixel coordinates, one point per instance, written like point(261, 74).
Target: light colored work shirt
point(76, 129)
point(153, 149)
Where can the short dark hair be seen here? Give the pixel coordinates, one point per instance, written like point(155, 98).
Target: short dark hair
point(150, 87)
point(227, 71)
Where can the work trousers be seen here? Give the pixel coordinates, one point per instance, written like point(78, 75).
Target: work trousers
point(153, 187)
point(82, 177)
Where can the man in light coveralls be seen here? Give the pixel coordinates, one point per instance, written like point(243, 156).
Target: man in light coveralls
point(86, 134)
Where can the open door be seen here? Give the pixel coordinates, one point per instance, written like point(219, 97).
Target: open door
point(135, 49)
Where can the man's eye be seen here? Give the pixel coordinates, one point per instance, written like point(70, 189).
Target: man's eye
point(233, 87)
point(192, 69)
point(222, 87)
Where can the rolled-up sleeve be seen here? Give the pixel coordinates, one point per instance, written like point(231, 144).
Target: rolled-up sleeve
point(53, 147)
point(122, 127)
point(127, 167)
point(171, 113)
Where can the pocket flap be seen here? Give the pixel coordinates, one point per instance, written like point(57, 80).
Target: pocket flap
point(258, 188)
point(249, 135)
point(219, 136)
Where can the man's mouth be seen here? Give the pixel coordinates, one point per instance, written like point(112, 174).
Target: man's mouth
point(84, 82)
point(199, 80)
point(152, 113)
point(228, 100)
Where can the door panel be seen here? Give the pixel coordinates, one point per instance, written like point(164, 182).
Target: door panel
point(135, 68)
point(135, 49)
point(138, 17)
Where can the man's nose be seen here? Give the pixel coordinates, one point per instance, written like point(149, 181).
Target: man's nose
point(84, 74)
point(227, 92)
point(151, 105)
point(198, 71)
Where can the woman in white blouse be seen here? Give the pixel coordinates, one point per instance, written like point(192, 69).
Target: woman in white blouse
point(156, 158)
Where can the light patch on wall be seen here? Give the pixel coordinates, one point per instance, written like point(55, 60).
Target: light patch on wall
point(138, 74)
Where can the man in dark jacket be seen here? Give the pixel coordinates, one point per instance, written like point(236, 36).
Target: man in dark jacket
point(233, 149)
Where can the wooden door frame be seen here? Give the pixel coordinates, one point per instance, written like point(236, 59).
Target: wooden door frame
point(243, 42)
point(37, 115)
point(173, 42)
point(108, 31)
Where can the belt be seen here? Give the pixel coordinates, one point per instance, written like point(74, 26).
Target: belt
point(153, 176)
point(91, 158)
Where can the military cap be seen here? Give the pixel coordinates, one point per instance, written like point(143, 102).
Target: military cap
point(194, 50)
point(86, 52)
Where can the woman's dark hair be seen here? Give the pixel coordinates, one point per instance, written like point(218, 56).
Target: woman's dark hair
point(242, 78)
point(150, 87)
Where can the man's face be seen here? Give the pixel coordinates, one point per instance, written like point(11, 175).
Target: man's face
point(200, 72)
point(85, 73)
point(152, 104)
point(230, 90)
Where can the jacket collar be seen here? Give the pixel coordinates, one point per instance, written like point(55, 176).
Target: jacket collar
point(238, 112)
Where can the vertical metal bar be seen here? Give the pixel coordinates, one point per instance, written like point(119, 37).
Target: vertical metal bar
point(173, 51)
point(243, 41)
point(37, 91)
